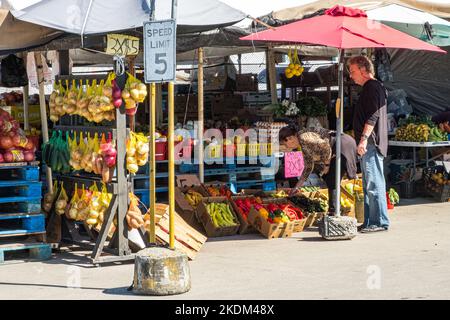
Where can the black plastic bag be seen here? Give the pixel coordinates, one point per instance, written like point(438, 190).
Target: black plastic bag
point(13, 72)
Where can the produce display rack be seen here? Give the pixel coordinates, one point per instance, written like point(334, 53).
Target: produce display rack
point(20, 211)
point(415, 145)
point(235, 172)
point(240, 173)
point(118, 248)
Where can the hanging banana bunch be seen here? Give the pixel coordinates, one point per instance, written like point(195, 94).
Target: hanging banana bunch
point(295, 67)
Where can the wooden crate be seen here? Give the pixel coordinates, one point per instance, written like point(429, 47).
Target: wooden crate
point(187, 239)
point(270, 230)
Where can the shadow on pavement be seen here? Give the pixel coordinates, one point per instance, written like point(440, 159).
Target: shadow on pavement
point(121, 291)
point(47, 285)
point(312, 239)
point(250, 236)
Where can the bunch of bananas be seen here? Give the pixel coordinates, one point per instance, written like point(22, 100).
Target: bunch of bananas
point(346, 203)
point(193, 198)
point(437, 135)
point(280, 194)
point(221, 215)
point(413, 132)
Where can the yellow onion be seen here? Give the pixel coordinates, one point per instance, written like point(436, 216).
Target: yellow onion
point(125, 94)
point(107, 91)
point(131, 160)
point(133, 168)
point(91, 222)
point(134, 94)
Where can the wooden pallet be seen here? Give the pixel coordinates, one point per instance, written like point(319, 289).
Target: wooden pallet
point(187, 239)
point(36, 250)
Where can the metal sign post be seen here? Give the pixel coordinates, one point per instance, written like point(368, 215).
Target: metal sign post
point(160, 66)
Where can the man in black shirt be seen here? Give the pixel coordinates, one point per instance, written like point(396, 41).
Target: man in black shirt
point(370, 127)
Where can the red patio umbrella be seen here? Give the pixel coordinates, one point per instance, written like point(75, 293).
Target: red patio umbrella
point(343, 28)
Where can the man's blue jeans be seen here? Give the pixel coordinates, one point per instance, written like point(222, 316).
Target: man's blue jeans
point(374, 186)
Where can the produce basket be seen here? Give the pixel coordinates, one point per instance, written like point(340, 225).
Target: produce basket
point(437, 182)
point(241, 148)
point(253, 149)
point(212, 230)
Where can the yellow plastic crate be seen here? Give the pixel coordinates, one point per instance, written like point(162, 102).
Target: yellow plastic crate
point(253, 149)
point(241, 148)
point(265, 149)
point(214, 151)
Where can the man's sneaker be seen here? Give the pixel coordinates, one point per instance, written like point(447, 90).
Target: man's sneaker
point(373, 228)
point(361, 227)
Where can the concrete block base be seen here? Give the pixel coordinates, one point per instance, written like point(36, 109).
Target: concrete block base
point(338, 228)
point(161, 271)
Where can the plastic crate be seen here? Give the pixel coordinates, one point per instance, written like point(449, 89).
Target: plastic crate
point(160, 150)
point(253, 149)
point(265, 149)
point(214, 152)
point(241, 149)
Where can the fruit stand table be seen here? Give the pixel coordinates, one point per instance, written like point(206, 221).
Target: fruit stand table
point(414, 145)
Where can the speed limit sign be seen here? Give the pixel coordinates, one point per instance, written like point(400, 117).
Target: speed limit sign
point(160, 51)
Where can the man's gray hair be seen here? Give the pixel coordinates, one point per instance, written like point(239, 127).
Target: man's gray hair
point(362, 62)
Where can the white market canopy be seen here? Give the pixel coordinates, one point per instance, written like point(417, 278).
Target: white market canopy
point(44, 20)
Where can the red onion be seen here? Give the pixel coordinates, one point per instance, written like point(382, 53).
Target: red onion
point(8, 157)
point(1, 158)
point(117, 102)
point(112, 152)
point(6, 142)
point(29, 156)
point(110, 161)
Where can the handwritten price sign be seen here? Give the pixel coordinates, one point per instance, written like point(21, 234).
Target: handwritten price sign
point(293, 164)
point(122, 45)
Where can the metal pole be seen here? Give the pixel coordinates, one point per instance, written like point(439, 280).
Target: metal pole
point(152, 163)
point(272, 75)
point(339, 113)
point(43, 110)
point(171, 164)
point(240, 63)
point(26, 116)
point(201, 165)
point(171, 129)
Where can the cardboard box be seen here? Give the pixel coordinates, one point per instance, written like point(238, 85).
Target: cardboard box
point(299, 225)
point(187, 180)
point(245, 226)
point(206, 220)
point(184, 209)
point(270, 230)
point(216, 184)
